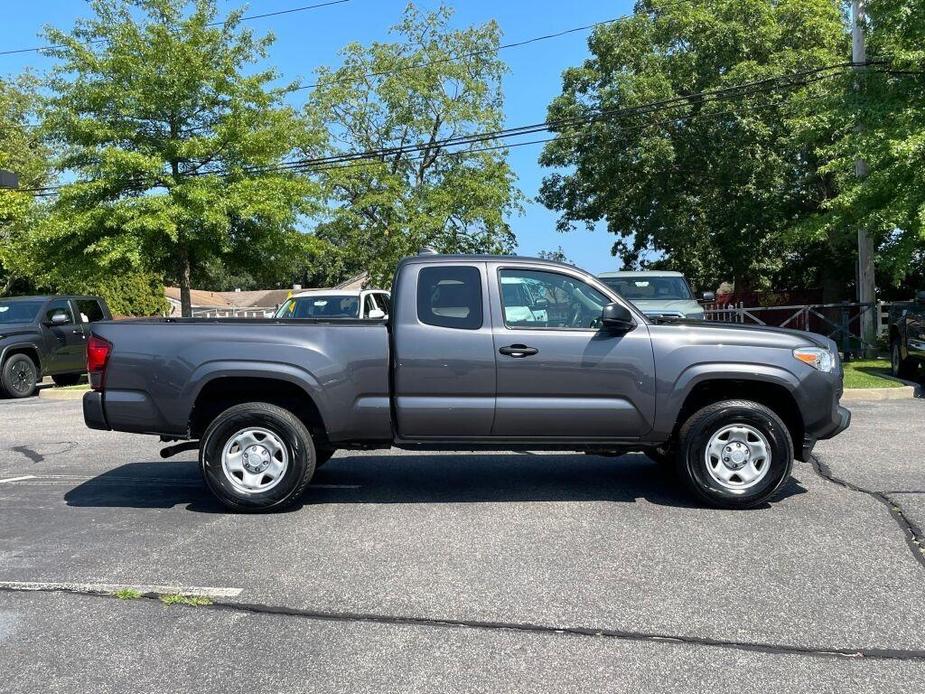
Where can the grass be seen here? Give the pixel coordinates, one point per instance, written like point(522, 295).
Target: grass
point(869, 373)
point(192, 600)
point(127, 594)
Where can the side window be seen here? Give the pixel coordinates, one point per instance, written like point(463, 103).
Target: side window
point(368, 305)
point(59, 306)
point(538, 299)
point(450, 297)
point(384, 303)
point(90, 310)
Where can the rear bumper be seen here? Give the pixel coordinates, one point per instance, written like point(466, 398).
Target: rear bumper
point(840, 420)
point(94, 416)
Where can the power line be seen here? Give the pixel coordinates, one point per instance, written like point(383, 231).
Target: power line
point(473, 54)
point(755, 87)
point(303, 8)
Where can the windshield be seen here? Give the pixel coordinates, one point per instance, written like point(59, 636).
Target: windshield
point(19, 311)
point(320, 307)
point(650, 288)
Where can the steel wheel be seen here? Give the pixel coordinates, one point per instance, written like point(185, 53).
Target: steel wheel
point(254, 460)
point(738, 457)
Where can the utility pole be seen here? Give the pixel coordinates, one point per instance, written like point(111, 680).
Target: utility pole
point(867, 292)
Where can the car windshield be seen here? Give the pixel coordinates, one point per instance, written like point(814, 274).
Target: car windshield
point(19, 311)
point(320, 306)
point(650, 288)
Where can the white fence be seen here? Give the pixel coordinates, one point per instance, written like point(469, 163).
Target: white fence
point(250, 312)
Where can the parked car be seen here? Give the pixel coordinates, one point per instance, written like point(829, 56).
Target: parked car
point(45, 336)
point(268, 401)
point(907, 336)
point(370, 304)
point(658, 294)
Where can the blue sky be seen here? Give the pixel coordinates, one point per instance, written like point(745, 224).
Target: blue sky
point(308, 39)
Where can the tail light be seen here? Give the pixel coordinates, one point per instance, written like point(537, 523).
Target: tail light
point(98, 351)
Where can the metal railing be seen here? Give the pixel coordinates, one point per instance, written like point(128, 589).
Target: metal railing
point(841, 321)
point(249, 312)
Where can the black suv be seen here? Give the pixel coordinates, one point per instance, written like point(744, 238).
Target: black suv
point(907, 336)
point(45, 336)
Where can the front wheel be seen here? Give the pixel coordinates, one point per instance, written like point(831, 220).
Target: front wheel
point(18, 377)
point(257, 457)
point(735, 454)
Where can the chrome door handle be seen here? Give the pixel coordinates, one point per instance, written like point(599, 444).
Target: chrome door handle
point(518, 351)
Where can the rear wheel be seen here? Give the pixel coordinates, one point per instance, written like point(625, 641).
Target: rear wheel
point(734, 454)
point(18, 376)
point(901, 368)
point(257, 457)
point(66, 379)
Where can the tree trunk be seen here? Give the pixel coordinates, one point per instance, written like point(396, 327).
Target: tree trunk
point(186, 303)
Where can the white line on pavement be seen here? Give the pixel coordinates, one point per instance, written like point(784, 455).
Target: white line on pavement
point(18, 479)
point(110, 588)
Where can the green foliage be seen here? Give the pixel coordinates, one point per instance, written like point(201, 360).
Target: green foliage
point(888, 101)
point(21, 152)
point(557, 255)
point(713, 187)
point(127, 594)
point(869, 373)
point(430, 84)
point(190, 600)
point(168, 128)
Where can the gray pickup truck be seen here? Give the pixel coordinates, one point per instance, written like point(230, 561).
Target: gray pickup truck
point(468, 361)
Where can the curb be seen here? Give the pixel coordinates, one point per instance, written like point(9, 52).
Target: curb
point(859, 394)
point(54, 394)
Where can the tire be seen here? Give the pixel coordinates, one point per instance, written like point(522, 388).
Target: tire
point(760, 454)
point(66, 379)
point(323, 455)
point(18, 377)
point(245, 445)
point(899, 367)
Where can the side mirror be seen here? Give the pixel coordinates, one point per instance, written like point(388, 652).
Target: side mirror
point(376, 314)
point(709, 296)
point(617, 317)
point(58, 318)
point(541, 304)
point(920, 297)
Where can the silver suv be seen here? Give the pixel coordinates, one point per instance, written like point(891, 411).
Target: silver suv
point(657, 293)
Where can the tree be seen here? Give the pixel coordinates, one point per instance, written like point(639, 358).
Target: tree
point(711, 185)
point(23, 153)
point(557, 255)
point(171, 134)
point(887, 100)
point(433, 83)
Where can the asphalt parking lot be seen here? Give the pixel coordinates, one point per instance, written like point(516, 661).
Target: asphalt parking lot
point(459, 572)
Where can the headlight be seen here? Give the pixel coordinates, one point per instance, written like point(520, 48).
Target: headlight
point(816, 357)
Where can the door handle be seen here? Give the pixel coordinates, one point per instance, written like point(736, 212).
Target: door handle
point(518, 351)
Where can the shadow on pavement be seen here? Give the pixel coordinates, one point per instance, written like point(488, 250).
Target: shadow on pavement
point(398, 479)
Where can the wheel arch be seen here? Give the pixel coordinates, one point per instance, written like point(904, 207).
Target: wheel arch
point(774, 391)
point(28, 348)
point(217, 394)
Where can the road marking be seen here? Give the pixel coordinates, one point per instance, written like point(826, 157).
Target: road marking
point(111, 588)
point(18, 479)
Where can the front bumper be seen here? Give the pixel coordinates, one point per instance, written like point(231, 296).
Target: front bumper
point(840, 420)
point(94, 415)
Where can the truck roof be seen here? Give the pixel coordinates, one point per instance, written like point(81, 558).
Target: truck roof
point(436, 259)
point(642, 273)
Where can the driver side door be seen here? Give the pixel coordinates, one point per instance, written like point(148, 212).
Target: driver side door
point(65, 340)
point(559, 375)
